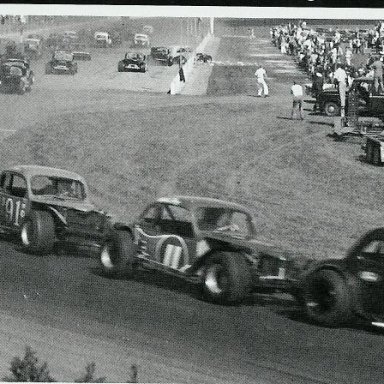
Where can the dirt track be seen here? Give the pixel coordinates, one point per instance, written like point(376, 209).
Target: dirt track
point(239, 147)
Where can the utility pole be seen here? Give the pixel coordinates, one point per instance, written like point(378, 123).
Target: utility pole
point(212, 24)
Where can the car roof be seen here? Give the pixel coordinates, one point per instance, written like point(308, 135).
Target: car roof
point(198, 201)
point(141, 35)
point(33, 170)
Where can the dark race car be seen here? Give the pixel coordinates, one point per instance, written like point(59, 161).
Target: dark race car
point(46, 206)
point(16, 76)
point(339, 291)
point(207, 241)
point(61, 63)
point(203, 57)
point(133, 61)
point(161, 55)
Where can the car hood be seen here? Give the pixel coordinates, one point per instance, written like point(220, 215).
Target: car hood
point(65, 203)
point(250, 244)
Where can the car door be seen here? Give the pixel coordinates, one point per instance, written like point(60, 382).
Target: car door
point(14, 202)
point(165, 236)
point(368, 267)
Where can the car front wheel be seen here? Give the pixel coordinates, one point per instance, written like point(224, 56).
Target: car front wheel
point(326, 298)
point(331, 109)
point(226, 278)
point(117, 255)
point(38, 232)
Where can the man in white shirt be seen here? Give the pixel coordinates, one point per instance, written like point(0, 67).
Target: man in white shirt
point(262, 87)
point(297, 93)
point(340, 76)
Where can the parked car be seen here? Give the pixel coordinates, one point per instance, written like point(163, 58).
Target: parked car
point(203, 57)
point(16, 76)
point(70, 36)
point(161, 55)
point(369, 102)
point(140, 40)
point(341, 291)
point(103, 40)
point(133, 61)
point(148, 29)
point(61, 63)
point(46, 205)
point(208, 241)
point(33, 48)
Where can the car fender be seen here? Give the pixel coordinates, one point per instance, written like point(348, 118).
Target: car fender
point(58, 215)
point(123, 227)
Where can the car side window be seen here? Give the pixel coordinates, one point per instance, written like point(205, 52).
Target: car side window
point(151, 214)
point(6, 179)
point(19, 186)
point(177, 221)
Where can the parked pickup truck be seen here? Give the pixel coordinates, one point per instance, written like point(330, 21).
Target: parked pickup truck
point(369, 103)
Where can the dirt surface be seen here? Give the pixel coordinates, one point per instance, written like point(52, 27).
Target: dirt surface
point(308, 193)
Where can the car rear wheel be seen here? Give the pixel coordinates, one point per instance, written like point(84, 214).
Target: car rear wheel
point(117, 255)
point(331, 109)
point(38, 232)
point(226, 278)
point(22, 87)
point(326, 298)
point(120, 67)
point(369, 152)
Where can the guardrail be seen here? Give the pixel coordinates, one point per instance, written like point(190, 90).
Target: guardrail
point(177, 85)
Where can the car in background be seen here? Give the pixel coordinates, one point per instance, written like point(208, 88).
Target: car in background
point(140, 40)
point(207, 241)
point(203, 57)
point(337, 292)
point(368, 102)
point(33, 48)
point(61, 63)
point(70, 36)
point(133, 62)
point(54, 40)
point(103, 40)
point(16, 76)
point(161, 55)
point(79, 52)
point(46, 206)
point(148, 29)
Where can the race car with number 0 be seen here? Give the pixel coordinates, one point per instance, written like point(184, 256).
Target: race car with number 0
point(46, 206)
point(207, 241)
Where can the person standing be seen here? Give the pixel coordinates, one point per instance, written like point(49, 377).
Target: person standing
point(262, 87)
point(377, 67)
point(340, 77)
point(297, 102)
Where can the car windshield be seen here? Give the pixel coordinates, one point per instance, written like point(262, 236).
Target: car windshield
point(58, 187)
point(222, 219)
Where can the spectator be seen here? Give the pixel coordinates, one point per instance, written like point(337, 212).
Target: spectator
point(377, 67)
point(317, 88)
point(348, 56)
point(261, 84)
point(297, 104)
point(340, 77)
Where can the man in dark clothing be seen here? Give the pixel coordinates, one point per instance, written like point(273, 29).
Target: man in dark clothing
point(317, 88)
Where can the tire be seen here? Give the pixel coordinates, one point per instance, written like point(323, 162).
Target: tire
point(326, 298)
point(376, 158)
point(38, 232)
point(48, 70)
point(369, 153)
point(226, 278)
point(120, 67)
point(331, 109)
point(117, 255)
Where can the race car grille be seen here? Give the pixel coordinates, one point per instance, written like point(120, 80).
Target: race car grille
point(84, 220)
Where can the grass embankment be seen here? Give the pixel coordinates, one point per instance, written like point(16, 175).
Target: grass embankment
point(308, 192)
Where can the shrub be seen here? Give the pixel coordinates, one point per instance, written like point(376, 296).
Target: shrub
point(28, 368)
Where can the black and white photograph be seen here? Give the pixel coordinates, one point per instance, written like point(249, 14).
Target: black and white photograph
point(191, 194)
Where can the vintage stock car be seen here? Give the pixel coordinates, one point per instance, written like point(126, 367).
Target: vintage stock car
point(45, 206)
point(208, 241)
point(132, 62)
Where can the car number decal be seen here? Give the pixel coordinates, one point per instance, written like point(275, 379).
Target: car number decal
point(14, 210)
point(172, 251)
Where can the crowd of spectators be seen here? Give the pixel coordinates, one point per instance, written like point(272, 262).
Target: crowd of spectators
point(320, 52)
